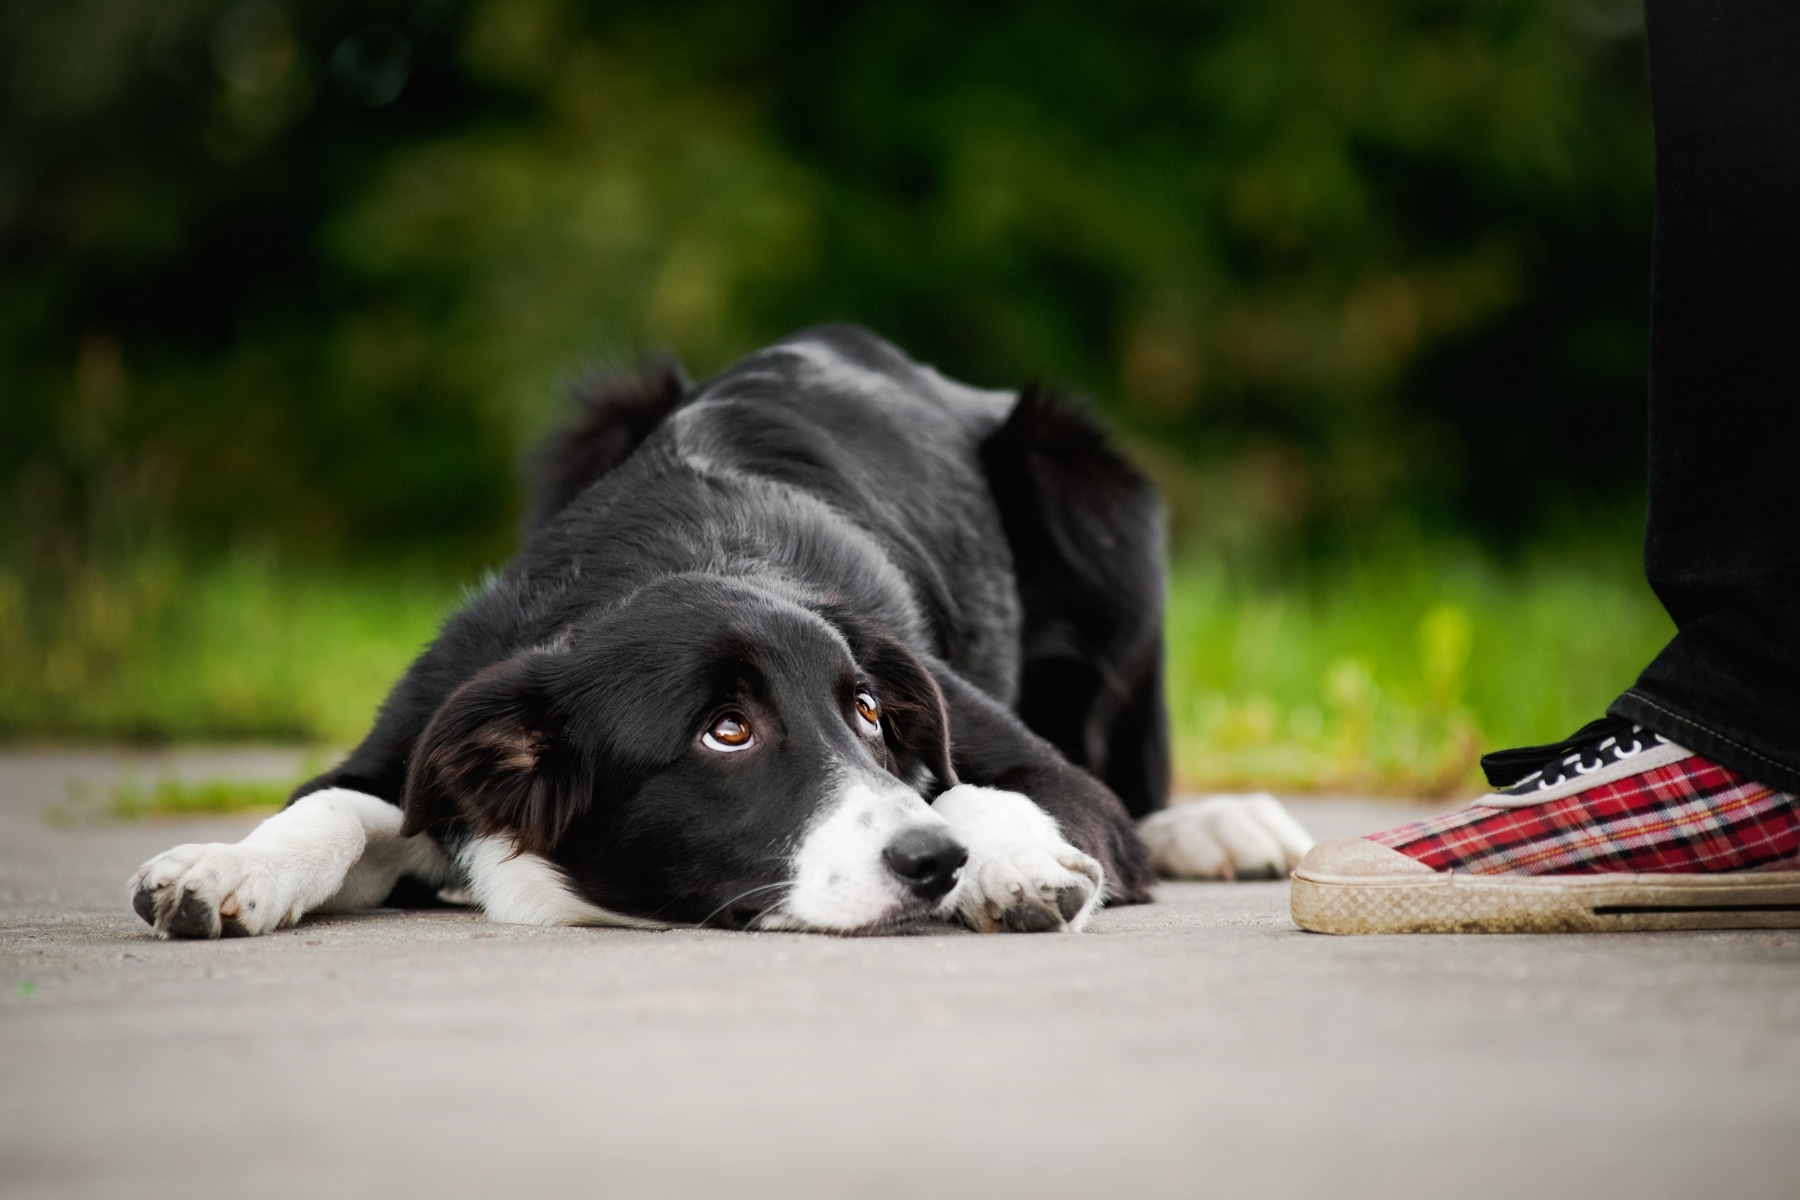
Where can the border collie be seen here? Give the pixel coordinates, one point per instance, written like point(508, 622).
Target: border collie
point(830, 642)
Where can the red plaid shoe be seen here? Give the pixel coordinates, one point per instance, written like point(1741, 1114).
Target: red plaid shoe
point(1615, 828)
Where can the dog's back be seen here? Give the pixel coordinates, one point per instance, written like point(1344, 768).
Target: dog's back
point(825, 400)
point(1068, 632)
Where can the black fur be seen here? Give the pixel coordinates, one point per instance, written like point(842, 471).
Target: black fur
point(1087, 540)
point(825, 517)
point(615, 413)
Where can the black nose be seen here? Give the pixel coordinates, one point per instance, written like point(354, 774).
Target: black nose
point(927, 859)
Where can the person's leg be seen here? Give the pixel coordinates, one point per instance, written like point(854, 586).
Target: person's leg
point(1723, 543)
point(1679, 809)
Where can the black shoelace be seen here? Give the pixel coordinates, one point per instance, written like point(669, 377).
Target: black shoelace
point(1587, 749)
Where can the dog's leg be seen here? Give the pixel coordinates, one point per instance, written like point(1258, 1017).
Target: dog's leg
point(1086, 533)
point(1022, 875)
point(994, 751)
point(1225, 837)
point(515, 887)
point(1048, 843)
point(335, 849)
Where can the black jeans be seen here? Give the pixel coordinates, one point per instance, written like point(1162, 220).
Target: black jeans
point(1722, 548)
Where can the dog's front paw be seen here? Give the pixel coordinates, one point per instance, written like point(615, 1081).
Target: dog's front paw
point(1225, 837)
point(1021, 875)
point(212, 890)
point(1028, 889)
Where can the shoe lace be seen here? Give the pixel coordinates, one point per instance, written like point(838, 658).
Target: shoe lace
point(1585, 750)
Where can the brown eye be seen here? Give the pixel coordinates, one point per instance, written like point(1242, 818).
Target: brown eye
point(729, 734)
point(868, 710)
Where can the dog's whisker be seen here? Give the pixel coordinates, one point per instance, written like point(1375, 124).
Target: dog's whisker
point(762, 887)
point(766, 910)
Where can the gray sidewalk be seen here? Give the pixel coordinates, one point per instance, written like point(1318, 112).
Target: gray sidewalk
point(1198, 1046)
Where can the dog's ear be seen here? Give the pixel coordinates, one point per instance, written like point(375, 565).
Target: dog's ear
point(496, 757)
point(914, 720)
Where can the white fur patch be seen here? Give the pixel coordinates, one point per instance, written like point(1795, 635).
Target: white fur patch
point(1021, 874)
point(839, 879)
point(383, 862)
point(1226, 837)
point(520, 888)
point(336, 849)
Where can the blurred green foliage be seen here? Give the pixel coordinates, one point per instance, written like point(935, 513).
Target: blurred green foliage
point(307, 275)
point(234, 648)
point(285, 289)
point(170, 797)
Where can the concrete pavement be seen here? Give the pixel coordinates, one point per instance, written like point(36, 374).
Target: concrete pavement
point(1198, 1046)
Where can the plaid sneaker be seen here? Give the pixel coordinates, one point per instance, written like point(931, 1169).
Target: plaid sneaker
point(1614, 828)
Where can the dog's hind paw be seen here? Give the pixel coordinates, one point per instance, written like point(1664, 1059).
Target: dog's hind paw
point(1225, 837)
point(212, 890)
point(1021, 877)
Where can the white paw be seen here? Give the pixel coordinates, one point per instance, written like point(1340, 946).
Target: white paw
point(213, 890)
point(1225, 837)
point(1028, 889)
point(1021, 875)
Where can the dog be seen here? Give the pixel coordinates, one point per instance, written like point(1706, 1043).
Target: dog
point(830, 642)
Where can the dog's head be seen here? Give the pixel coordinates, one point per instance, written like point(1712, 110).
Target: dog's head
point(708, 752)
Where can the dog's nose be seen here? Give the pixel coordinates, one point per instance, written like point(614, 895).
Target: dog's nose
point(928, 859)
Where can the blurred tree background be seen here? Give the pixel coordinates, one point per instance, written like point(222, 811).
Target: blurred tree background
point(286, 288)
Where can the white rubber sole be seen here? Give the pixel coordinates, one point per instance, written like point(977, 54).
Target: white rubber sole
point(1352, 885)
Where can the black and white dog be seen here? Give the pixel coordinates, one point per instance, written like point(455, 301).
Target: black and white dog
point(829, 643)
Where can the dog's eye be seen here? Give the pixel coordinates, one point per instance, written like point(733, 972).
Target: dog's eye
point(868, 710)
point(729, 734)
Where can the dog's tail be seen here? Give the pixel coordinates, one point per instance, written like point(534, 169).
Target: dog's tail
point(615, 412)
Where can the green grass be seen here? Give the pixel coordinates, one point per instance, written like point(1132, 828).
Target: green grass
point(1393, 674)
point(207, 797)
point(172, 798)
point(1388, 674)
point(235, 650)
